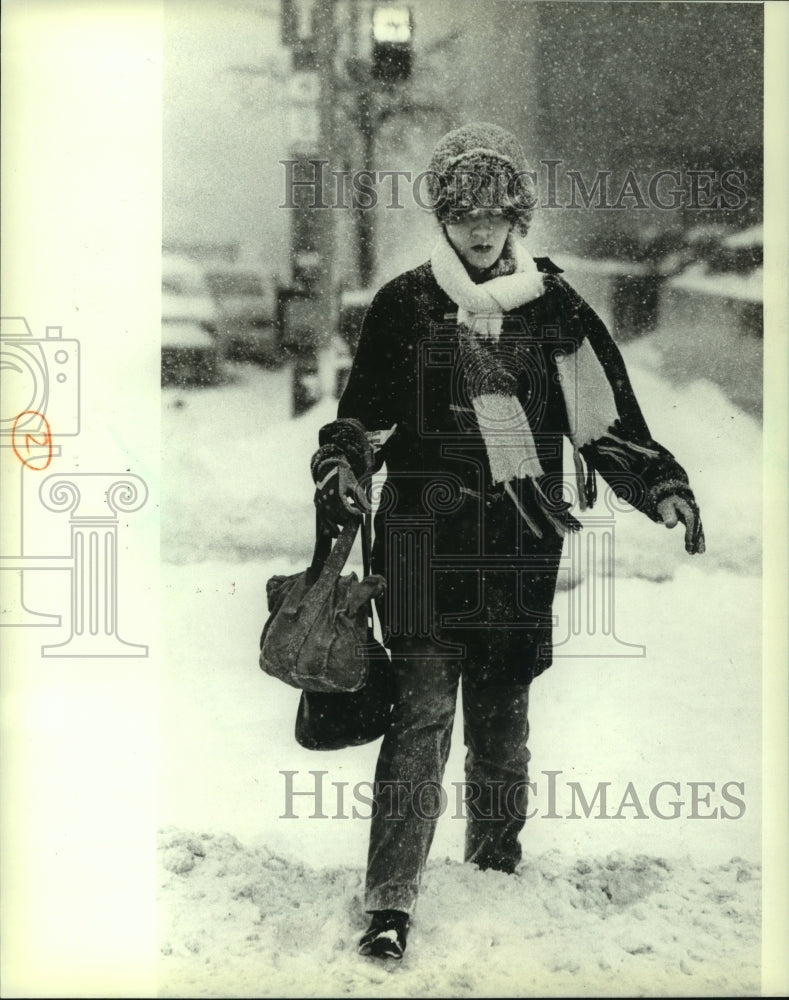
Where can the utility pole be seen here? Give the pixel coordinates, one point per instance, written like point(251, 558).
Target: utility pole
point(325, 37)
point(365, 220)
point(379, 85)
point(364, 117)
point(308, 311)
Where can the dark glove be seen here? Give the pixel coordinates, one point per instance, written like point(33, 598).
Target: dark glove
point(674, 509)
point(338, 496)
point(344, 454)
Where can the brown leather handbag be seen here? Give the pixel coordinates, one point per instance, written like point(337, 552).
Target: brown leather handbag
point(319, 633)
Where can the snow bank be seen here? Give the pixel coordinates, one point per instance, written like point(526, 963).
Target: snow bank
point(236, 480)
point(720, 447)
point(246, 922)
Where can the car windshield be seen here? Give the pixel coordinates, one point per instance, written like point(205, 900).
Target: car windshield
point(236, 284)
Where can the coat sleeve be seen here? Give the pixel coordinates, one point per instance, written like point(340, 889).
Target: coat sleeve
point(638, 468)
point(371, 392)
point(367, 406)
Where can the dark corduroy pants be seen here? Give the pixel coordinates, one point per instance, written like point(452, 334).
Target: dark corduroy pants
point(409, 796)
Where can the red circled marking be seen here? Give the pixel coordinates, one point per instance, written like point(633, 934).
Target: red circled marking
point(41, 440)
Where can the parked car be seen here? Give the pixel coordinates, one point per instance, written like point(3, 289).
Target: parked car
point(246, 313)
point(190, 355)
point(191, 350)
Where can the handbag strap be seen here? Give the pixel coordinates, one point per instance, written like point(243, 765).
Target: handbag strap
point(323, 547)
point(317, 595)
point(366, 563)
point(366, 566)
point(328, 561)
point(321, 551)
point(365, 525)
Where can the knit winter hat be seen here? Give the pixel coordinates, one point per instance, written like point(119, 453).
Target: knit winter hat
point(481, 165)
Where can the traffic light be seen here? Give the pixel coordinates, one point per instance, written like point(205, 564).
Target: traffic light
point(392, 37)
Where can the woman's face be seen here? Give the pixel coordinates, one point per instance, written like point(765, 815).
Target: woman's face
point(478, 235)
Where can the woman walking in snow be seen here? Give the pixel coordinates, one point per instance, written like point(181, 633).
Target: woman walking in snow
point(470, 371)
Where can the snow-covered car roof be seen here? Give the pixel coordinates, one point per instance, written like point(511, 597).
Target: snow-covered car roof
point(185, 294)
point(753, 236)
point(185, 333)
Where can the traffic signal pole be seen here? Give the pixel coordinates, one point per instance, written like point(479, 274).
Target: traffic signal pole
point(372, 82)
point(324, 33)
point(365, 220)
point(310, 317)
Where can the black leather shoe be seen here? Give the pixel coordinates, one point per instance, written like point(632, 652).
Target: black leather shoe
point(386, 935)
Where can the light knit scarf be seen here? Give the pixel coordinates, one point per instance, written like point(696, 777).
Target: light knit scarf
point(505, 429)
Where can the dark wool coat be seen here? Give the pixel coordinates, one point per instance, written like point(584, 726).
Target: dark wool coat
point(463, 571)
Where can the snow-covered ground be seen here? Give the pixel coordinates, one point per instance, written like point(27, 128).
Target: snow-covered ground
point(248, 922)
point(255, 904)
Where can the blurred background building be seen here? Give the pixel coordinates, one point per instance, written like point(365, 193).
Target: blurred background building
point(642, 121)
